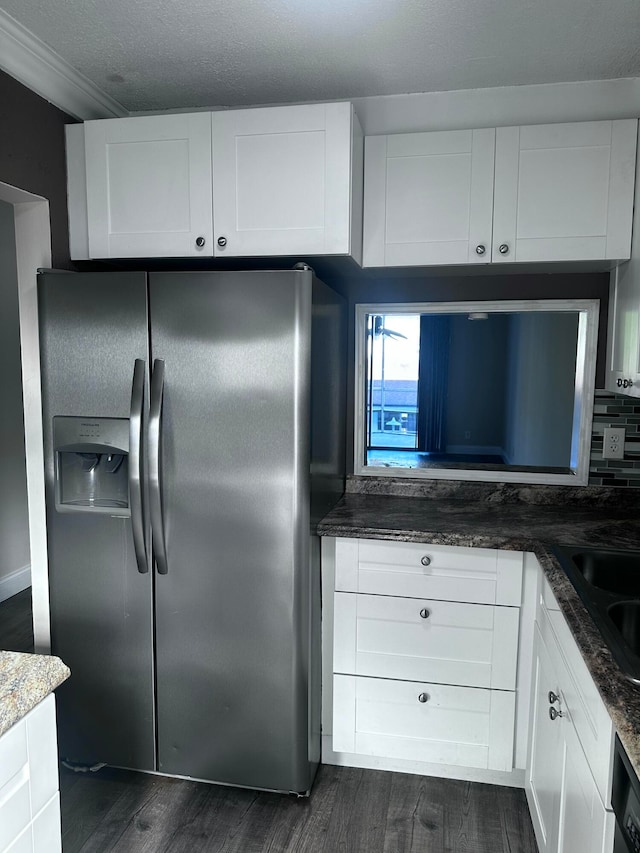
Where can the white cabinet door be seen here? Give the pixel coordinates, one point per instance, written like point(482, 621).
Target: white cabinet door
point(566, 807)
point(149, 186)
point(428, 198)
point(564, 192)
point(585, 826)
point(545, 764)
point(282, 181)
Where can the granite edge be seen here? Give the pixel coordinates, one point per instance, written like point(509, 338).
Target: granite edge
point(27, 679)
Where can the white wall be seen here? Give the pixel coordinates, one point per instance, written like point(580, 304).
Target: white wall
point(588, 100)
point(14, 528)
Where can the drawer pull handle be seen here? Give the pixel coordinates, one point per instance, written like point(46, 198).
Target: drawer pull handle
point(553, 713)
point(424, 613)
point(553, 697)
point(426, 561)
point(423, 697)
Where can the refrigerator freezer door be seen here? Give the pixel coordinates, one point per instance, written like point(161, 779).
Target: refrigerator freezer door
point(93, 327)
point(232, 613)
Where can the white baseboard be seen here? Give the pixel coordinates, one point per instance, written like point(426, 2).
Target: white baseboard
point(514, 779)
point(15, 582)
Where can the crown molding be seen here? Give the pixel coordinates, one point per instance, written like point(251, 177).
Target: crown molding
point(41, 69)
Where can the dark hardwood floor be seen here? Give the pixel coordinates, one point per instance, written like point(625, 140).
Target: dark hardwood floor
point(349, 811)
point(16, 627)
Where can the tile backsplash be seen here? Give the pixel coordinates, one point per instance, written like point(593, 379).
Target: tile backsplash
point(614, 410)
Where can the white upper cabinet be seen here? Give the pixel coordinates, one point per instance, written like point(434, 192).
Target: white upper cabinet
point(287, 180)
point(148, 186)
point(276, 181)
point(564, 192)
point(428, 198)
point(559, 192)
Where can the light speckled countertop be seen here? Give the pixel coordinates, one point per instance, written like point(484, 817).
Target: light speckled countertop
point(26, 680)
point(516, 519)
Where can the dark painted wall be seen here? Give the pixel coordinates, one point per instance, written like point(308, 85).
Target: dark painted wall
point(32, 155)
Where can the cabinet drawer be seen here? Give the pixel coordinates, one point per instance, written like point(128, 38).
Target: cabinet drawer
point(23, 843)
point(414, 570)
point(475, 645)
point(15, 807)
point(46, 828)
point(13, 754)
point(463, 726)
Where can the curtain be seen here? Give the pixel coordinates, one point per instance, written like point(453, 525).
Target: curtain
point(433, 383)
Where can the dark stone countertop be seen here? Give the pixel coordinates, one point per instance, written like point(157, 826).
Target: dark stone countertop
point(516, 520)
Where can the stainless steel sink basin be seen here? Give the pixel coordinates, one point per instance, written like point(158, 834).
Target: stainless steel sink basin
point(612, 571)
point(608, 582)
point(625, 615)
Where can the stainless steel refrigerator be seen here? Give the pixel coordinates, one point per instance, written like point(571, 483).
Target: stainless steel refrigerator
point(194, 434)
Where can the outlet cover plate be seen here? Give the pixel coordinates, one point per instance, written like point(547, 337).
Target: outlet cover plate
point(613, 445)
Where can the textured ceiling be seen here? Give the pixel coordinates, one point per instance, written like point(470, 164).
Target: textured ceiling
point(157, 54)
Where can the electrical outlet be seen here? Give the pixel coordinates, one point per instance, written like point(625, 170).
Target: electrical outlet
point(613, 445)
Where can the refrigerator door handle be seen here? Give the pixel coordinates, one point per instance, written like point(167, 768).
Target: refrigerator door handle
point(135, 465)
point(155, 493)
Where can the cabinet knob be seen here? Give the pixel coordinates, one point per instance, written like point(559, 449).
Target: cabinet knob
point(627, 383)
point(426, 561)
point(554, 714)
point(619, 383)
point(480, 250)
point(222, 242)
point(503, 248)
point(553, 697)
point(200, 241)
point(423, 697)
point(424, 613)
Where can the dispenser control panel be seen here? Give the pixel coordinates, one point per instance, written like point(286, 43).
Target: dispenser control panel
point(71, 433)
point(89, 429)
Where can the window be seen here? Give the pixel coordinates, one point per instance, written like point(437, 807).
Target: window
point(491, 391)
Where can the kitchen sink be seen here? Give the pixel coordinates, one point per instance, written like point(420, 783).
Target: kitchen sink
point(612, 571)
point(608, 582)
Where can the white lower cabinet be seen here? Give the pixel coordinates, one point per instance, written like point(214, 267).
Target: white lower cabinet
point(29, 798)
point(458, 662)
point(421, 656)
point(567, 783)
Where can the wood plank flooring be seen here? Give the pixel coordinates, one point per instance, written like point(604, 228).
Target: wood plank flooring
point(349, 811)
point(16, 627)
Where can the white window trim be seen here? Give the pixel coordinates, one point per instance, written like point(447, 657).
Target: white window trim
point(589, 310)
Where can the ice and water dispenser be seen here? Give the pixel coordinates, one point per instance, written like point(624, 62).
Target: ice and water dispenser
point(92, 464)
